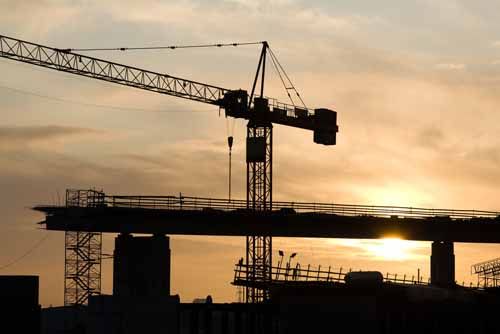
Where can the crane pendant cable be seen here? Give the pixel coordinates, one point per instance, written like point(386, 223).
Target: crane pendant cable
point(164, 47)
point(284, 78)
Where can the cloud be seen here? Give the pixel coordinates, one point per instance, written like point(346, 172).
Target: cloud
point(48, 137)
point(35, 133)
point(13, 12)
point(450, 66)
point(430, 137)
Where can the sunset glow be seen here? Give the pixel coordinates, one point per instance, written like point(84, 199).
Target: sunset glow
point(417, 113)
point(391, 249)
point(397, 195)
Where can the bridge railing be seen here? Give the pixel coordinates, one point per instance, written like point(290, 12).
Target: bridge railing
point(182, 202)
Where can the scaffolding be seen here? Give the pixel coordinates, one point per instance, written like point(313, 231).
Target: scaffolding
point(287, 273)
point(488, 273)
point(83, 253)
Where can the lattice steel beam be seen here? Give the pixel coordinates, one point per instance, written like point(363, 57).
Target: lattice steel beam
point(259, 185)
point(259, 198)
point(65, 61)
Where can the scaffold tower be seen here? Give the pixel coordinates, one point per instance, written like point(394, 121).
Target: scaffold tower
point(82, 265)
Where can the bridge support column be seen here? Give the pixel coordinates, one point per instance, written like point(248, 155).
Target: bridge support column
point(141, 266)
point(442, 264)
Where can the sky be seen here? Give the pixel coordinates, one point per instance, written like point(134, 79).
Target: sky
point(415, 83)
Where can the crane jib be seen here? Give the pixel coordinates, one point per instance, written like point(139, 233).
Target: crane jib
point(62, 60)
point(235, 102)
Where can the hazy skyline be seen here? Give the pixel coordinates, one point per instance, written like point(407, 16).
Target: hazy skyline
point(416, 85)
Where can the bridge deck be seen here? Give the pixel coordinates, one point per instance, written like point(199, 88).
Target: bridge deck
point(206, 216)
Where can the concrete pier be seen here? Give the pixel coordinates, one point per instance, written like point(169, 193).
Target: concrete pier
point(442, 264)
point(141, 266)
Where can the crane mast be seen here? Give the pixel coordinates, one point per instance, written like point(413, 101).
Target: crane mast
point(259, 159)
point(261, 113)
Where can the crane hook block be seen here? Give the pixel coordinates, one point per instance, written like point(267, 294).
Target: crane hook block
point(230, 142)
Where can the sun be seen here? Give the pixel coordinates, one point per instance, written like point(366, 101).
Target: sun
point(390, 249)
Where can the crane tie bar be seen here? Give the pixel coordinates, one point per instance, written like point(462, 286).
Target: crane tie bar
point(171, 47)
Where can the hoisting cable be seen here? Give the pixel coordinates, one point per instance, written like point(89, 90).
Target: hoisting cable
point(279, 68)
point(230, 144)
point(165, 47)
point(230, 122)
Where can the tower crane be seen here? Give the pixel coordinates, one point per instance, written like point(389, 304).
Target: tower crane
point(260, 112)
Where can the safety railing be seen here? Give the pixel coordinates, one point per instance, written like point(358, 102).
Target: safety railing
point(181, 202)
point(309, 274)
point(289, 110)
point(84, 198)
